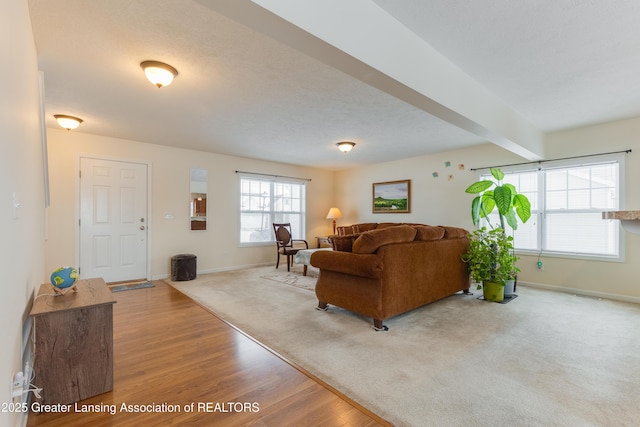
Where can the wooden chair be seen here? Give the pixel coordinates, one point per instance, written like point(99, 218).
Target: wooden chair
point(286, 245)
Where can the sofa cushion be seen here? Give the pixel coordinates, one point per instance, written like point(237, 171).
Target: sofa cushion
point(454, 232)
point(370, 241)
point(365, 226)
point(425, 233)
point(343, 243)
point(345, 230)
point(382, 225)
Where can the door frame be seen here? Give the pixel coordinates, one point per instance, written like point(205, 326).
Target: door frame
point(148, 164)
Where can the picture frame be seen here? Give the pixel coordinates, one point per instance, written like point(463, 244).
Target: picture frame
point(391, 197)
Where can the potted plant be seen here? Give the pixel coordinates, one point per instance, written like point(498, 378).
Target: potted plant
point(491, 261)
point(491, 257)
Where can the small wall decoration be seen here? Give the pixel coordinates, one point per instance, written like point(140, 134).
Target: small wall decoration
point(392, 197)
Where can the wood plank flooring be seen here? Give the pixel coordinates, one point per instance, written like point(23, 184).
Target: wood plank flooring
point(170, 351)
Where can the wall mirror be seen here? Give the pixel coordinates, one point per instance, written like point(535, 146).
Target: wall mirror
point(198, 188)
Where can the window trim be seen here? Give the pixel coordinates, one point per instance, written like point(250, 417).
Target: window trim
point(273, 179)
point(565, 164)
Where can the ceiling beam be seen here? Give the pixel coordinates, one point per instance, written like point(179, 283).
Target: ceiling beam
point(361, 39)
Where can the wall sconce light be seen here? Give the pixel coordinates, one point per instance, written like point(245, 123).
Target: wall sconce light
point(67, 122)
point(345, 146)
point(159, 73)
point(333, 214)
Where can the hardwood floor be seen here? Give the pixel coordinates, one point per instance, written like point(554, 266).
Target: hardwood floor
point(172, 353)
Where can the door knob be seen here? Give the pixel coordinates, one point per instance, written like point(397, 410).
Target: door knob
point(142, 227)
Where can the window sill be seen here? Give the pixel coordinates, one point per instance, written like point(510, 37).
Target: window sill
point(256, 244)
point(569, 255)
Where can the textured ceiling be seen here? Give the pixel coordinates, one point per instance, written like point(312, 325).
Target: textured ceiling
point(560, 64)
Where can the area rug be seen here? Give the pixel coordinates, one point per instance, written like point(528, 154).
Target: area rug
point(545, 359)
point(294, 277)
point(130, 286)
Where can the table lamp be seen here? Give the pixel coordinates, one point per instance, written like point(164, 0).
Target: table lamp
point(333, 214)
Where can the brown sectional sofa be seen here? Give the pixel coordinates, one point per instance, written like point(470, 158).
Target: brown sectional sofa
point(382, 270)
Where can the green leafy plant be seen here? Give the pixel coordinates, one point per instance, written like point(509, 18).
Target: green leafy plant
point(490, 256)
point(494, 194)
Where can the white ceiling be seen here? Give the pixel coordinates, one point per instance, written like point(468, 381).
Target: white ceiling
point(247, 88)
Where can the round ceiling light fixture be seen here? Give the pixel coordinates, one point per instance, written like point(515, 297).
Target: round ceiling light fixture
point(68, 122)
point(159, 73)
point(345, 146)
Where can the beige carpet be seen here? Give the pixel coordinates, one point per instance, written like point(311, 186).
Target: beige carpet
point(544, 359)
point(294, 277)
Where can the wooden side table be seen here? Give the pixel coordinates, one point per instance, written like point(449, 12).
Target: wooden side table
point(324, 242)
point(73, 342)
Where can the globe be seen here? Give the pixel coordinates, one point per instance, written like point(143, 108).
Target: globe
point(64, 277)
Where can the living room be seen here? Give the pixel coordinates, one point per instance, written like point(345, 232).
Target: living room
point(39, 239)
point(435, 201)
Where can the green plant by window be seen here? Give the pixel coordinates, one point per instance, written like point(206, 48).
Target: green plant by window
point(490, 256)
point(510, 204)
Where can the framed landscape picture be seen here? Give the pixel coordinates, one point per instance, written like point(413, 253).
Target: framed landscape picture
point(392, 197)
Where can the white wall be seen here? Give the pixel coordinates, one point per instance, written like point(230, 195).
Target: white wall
point(437, 201)
point(440, 201)
point(21, 246)
point(597, 278)
point(217, 248)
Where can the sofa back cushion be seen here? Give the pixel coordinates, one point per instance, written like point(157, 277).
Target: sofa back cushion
point(343, 243)
point(382, 225)
point(365, 226)
point(370, 241)
point(346, 230)
point(425, 233)
point(454, 232)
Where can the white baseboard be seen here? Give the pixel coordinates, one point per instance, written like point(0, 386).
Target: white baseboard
point(217, 270)
point(583, 292)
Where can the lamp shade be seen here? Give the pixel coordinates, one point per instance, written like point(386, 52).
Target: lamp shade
point(159, 73)
point(334, 213)
point(67, 122)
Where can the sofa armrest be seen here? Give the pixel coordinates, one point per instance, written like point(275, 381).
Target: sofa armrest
point(364, 265)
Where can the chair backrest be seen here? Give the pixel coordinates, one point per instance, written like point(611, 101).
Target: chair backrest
point(283, 234)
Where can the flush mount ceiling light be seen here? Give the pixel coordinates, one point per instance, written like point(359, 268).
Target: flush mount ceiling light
point(67, 122)
point(345, 146)
point(159, 73)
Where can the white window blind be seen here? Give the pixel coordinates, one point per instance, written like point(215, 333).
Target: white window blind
point(268, 200)
point(567, 201)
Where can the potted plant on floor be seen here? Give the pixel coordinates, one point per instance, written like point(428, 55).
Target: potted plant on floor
point(491, 261)
point(491, 257)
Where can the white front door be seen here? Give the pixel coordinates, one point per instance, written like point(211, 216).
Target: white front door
point(113, 220)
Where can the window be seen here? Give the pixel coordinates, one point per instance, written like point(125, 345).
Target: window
point(264, 201)
point(567, 201)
